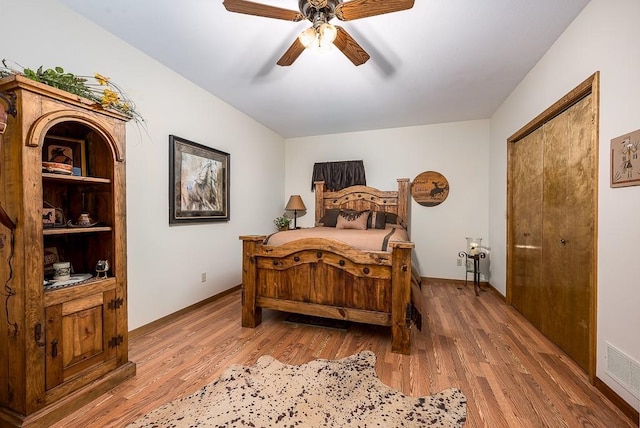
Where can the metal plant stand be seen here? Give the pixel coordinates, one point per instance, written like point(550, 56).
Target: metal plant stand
point(476, 268)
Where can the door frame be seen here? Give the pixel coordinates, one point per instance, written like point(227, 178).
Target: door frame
point(591, 86)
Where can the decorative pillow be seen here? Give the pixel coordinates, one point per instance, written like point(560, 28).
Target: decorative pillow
point(377, 220)
point(352, 220)
point(392, 218)
point(329, 218)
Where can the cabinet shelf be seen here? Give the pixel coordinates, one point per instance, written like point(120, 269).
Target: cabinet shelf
point(74, 178)
point(75, 230)
point(88, 287)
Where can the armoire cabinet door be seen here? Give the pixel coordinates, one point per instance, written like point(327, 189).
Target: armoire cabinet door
point(78, 336)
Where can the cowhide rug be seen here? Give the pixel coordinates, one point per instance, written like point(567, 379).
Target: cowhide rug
point(321, 393)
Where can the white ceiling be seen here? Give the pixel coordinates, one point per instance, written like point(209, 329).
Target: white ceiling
point(441, 61)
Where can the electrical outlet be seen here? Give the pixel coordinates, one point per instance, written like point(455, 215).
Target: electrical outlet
point(459, 262)
point(203, 277)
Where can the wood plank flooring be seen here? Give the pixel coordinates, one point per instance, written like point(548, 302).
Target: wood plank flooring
point(511, 375)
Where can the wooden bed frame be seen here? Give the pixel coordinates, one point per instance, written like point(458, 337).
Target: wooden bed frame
point(330, 279)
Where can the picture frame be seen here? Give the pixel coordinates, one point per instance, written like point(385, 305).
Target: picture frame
point(625, 160)
point(70, 151)
point(198, 182)
point(48, 217)
point(52, 216)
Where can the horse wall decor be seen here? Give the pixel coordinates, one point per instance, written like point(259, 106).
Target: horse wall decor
point(199, 182)
point(430, 188)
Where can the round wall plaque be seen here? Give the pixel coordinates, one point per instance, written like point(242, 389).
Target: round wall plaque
point(430, 188)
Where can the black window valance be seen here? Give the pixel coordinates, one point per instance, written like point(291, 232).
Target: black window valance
point(338, 175)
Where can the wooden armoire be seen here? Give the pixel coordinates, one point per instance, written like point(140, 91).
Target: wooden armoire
point(551, 218)
point(62, 343)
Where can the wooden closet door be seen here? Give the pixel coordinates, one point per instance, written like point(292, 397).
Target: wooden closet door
point(568, 229)
point(526, 185)
point(551, 276)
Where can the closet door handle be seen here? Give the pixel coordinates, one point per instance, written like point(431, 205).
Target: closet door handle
point(563, 242)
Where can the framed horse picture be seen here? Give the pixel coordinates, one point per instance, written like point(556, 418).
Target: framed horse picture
point(198, 182)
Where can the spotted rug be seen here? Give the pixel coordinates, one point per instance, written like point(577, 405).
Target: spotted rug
point(321, 393)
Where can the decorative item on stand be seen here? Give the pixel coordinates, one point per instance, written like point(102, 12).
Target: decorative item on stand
point(473, 246)
point(473, 253)
point(101, 268)
point(295, 204)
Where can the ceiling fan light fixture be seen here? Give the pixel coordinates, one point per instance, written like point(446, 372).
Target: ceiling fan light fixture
point(327, 33)
point(308, 38)
point(322, 35)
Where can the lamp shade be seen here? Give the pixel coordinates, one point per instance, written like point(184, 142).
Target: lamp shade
point(295, 204)
point(308, 37)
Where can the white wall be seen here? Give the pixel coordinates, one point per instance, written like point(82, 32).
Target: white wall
point(603, 37)
point(459, 151)
point(164, 263)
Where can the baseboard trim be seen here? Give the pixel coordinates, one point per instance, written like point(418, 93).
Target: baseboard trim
point(483, 284)
point(167, 319)
point(612, 396)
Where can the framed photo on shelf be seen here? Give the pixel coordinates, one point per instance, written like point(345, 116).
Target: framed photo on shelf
point(69, 151)
point(625, 160)
point(198, 182)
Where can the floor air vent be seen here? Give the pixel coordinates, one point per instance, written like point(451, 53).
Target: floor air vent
point(625, 370)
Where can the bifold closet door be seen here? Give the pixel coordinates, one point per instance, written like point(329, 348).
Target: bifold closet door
point(553, 228)
point(568, 228)
point(527, 192)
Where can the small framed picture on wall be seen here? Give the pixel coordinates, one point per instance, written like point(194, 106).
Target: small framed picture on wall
point(625, 160)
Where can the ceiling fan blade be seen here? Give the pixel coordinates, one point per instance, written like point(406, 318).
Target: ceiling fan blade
point(350, 47)
point(356, 9)
point(259, 9)
point(292, 53)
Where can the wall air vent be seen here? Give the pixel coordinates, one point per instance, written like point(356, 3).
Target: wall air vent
point(624, 369)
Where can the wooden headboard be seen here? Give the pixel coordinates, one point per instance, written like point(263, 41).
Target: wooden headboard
point(365, 198)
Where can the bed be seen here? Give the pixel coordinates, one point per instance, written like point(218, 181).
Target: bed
point(301, 272)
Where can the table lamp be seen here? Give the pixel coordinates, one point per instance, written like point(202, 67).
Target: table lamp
point(295, 204)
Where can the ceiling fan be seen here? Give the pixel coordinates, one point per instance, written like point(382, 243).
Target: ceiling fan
point(322, 34)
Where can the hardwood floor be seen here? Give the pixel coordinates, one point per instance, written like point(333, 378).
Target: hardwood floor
point(511, 375)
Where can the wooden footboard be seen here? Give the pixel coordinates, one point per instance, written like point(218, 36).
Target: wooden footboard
point(332, 280)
